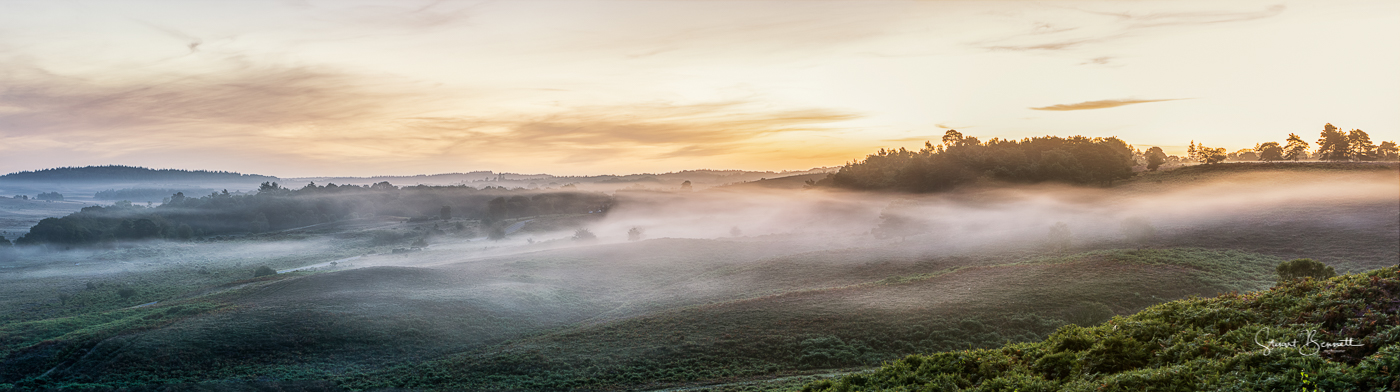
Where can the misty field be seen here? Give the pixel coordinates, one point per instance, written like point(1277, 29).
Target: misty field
point(734, 288)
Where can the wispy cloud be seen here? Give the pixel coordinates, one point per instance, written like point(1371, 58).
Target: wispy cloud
point(1045, 37)
point(1104, 104)
point(305, 114)
point(1156, 19)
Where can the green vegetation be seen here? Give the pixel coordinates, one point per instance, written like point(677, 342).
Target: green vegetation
point(757, 313)
point(276, 208)
point(147, 194)
point(1304, 268)
point(118, 173)
point(264, 271)
point(1344, 332)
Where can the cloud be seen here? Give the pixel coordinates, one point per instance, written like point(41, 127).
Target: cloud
point(1098, 61)
point(308, 114)
point(1157, 19)
point(1104, 104)
point(1043, 37)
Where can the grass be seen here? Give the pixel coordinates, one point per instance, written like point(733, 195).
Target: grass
point(804, 331)
point(748, 314)
point(1209, 344)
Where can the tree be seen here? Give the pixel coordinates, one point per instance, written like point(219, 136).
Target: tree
point(264, 271)
point(583, 235)
point(952, 138)
point(1332, 145)
point(735, 232)
point(1155, 158)
point(1244, 154)
point(422, 242)
point(4, 242)
point(497, 232)
point(126, 292)
point(1206, 155)
point(445, 212)
point(1387, 151)
point(184, 232)
point(1303, 268)
point(50, 196)
point(1297, 148)
point(1192, 152)
point(1269, 152)
point(1360, 147)
point(635, 234)
point(685, 186)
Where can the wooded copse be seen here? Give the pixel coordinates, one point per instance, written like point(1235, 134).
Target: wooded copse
point(276, 208)
point(1332, 145)
point(960, 160)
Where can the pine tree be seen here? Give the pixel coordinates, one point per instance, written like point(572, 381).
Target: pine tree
point(1360, 147)
point(1297, 148)
point(1332, 145)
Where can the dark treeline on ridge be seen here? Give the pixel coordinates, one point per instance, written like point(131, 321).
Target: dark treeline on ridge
point(276, 208)
point(960, 160)
point(113, 173)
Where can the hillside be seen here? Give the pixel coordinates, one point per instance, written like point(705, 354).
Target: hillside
point(1341, 334)
point(806, 292)
point(118, 173)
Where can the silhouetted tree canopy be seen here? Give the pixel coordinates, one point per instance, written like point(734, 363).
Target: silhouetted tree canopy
point(960, 160)
point(1155, 158)
point(1296, 149)
point(118, 173)
point(1269, 152)
point(1332, 145)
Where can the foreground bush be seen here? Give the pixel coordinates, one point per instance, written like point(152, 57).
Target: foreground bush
point(1340, 334)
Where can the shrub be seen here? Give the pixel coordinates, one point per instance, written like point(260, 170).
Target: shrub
point(264, 271)
point(1304, 268)
point(584, 235)
point(126, 292)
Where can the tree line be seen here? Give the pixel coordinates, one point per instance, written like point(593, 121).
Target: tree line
point(960, 159)
point(1332, 145)
point(274, 207)
point(111, 173)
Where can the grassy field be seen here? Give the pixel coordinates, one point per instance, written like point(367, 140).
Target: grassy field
point(538, 311)
point(1343, 334)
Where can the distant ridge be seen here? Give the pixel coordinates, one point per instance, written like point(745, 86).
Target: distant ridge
point(117, 173)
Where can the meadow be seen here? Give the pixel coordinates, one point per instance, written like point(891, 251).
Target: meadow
point(751, 287)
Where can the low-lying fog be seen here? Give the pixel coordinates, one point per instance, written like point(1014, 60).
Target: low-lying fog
point(775, 222)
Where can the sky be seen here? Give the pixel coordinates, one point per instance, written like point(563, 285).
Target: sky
point(576, 87)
